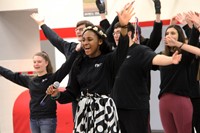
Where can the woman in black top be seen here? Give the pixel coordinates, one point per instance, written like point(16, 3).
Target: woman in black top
point(130, 91)
point(92, 78)
point(64, 46)
point(175, 104)
point(189, 21)
point(42, 116)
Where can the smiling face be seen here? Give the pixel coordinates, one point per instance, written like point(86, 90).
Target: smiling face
point(91, 43)
point(40, 65)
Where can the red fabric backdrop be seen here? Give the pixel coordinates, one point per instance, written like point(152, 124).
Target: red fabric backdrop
point(21, 115)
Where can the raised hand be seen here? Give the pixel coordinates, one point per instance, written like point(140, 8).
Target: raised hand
point(181, 18)
point(173, 21)
point(101, 6)
point(157, 6)
point(126, 14)
point(195, 18)
point(38, 18)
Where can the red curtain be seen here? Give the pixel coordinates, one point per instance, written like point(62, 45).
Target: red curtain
point(21, 115)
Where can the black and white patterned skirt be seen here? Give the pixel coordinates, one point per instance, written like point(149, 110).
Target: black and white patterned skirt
point(96, 114)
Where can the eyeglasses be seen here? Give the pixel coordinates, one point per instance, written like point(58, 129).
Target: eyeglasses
point(116, 33)
point(79, 29)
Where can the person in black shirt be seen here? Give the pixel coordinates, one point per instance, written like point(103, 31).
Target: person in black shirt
point(65, 47)
point(188, 20)
point(130, 91)
point(42, 116)
point(174, 98)
point(92, 79)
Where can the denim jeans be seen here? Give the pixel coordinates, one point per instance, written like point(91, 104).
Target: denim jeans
point(46, 125)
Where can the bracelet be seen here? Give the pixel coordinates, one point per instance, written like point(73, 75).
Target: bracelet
point(181, 45)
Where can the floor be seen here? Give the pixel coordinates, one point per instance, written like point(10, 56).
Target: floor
point(157, 131)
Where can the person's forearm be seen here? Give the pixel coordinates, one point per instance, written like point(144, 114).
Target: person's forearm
point(158, 18)
point(124, 30)
point(103, 16)
point(191, 49)
point(40, 24)
point(162, 60)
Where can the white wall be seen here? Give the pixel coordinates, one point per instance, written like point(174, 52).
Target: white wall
point(62, 14)
point(9, 92)
point(65, 13)
point(19, 40)
point(19, 35)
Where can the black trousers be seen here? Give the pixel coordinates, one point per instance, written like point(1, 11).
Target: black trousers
point(134, 121)
point(196, 114)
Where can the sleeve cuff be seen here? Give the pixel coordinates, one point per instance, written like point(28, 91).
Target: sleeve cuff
point(56, 97)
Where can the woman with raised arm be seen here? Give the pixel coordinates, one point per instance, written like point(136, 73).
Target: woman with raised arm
point(43, 117)
point(92, 79)
point(174, 98)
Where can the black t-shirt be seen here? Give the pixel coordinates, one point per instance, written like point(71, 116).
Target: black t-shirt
point(130, 89)
point(37, 88)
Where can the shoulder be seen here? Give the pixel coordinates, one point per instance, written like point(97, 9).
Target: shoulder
point(142, 47)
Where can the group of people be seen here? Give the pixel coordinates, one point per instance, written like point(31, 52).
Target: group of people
point(109, 75)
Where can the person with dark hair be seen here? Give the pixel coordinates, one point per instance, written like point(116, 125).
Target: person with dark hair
point(130, 91)
point(116, 33)
point(43, 117)
point(62, 45)
point(152, 42)
point(92, 79)
point(174, 98)
point(191, 22)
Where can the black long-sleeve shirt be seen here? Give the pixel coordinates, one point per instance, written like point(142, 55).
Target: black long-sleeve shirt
point(193, 38)
point(130, 89)
point(152, 42)
point(95, 75)
point(37, 88)
point(62, 45)
point(155, 37)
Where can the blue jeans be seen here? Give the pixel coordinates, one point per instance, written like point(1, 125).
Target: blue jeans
point(46, 125)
